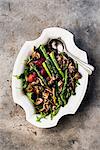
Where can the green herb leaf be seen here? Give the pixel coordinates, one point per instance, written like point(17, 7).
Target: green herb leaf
point(29, 95)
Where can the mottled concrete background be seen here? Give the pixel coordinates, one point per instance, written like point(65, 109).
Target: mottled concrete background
point(22, 20)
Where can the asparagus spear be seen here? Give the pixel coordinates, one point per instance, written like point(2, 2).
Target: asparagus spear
point(64, 88)
point(54, 69)
point(57, 95)
point(46, 69)
point(43, 50)
point(33, 67)
point(65, 82)
point(50, 64)
point(56, 64)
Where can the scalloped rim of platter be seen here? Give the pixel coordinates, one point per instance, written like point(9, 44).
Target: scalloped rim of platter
point(74, 101)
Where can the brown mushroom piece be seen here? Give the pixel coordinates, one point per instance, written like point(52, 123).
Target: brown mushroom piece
point(39, 101)
point(60, 85)
point(47, 107)
point(49, 90)
point(53, 107)
point(71, 68)
point(71, 83)
point(51, 81)
point(35, 55)
point(29, 88)
point(35, 82)
point(77, 76)
point(45, 94)
point(37, 91)
point(41, 82)
point(59, 58)
point(30, 63)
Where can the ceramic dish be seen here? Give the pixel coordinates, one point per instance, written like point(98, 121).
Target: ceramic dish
point(21, 99)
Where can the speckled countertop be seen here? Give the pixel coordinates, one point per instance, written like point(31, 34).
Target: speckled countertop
point(22, 20)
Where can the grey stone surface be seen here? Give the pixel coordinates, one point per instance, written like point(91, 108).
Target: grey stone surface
point(22, 20)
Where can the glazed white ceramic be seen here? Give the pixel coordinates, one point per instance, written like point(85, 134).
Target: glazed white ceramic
point(22, 100)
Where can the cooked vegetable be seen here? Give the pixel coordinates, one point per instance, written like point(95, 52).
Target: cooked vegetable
point(46, 69)
point(42, 48)
point(64, 90)
point(49, 79)
point(39, 61)
point(49, 63)
point(56, 64)
point(31, 77)
point(29, 95)
point(43, 71)
point(33, 67)
point(54, 95)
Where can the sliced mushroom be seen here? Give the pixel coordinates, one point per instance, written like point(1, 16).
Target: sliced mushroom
point(51, 81)
point(77, 76)
point(30, 63)
point(37, 91)
point(42, 109)
point(71, 68)
point(66, 60)
point(71, 82)
point(35, 55)
point(60, 83)
point(35, 82)
point(39, 101)
point(53, 107)
point(40, 81)
point(45, 94)
point(47, 107)
point(59, 58)
point(49, 90)
point(29, 88)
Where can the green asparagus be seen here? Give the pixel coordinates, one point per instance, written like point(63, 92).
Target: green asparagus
point(57, 94)
point(64, 90)
point(56, 64)
point(46, 69)
point(43, 50)
point(33, 67)
point(49, 62)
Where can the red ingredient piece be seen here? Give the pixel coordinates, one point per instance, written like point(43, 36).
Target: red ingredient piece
point(32, 77)
point(43, 72)
point(42, 59)
point(39, 61)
